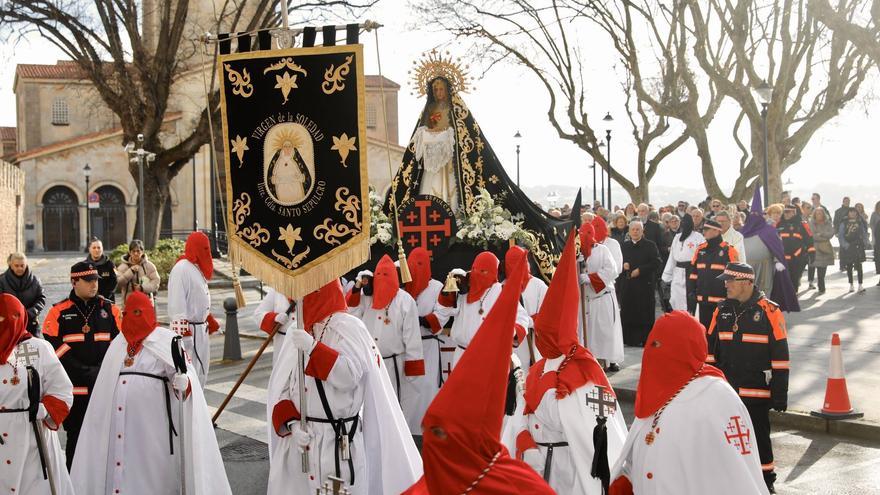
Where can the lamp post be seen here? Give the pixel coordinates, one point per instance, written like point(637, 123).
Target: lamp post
point(601, 179)
point(87, 173)
point(552, 198)
point(765, 92)
point(138, 155)
point(517, 136)
point(608, 119)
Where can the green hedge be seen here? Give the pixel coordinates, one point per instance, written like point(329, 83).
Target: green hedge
point(164, 255)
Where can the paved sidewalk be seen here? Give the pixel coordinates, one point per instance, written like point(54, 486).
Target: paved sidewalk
point(856, 317)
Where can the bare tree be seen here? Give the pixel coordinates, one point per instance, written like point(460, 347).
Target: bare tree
point(544, 38)
point(134, 73)
point(866, 36)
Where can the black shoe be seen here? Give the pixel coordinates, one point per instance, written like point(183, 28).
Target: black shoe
point(614, 367)
point(821, 291)
point(770, 488)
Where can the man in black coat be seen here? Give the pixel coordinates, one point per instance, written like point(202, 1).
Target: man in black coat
point(20, 282)
point(641, 259)
point(840, 214)
point(106, 269)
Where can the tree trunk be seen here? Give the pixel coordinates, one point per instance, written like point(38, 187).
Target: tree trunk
point(156, 193)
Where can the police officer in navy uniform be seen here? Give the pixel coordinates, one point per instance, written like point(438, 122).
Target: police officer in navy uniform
point(81, 328)
point(704, 289)
point(748, 342)
point(797, 241)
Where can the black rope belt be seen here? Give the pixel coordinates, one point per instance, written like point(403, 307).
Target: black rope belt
point(439, 357)
point(683, 264)
point(548, 459)
point(393, 357)
point(196, 347)
point(339, 431)
point(7, 411)
point(171, 431)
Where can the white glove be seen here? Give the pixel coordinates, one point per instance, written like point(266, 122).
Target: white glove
point(42, 412)
point(301, 438)
point(282, 319)
point(180, 382)
point(364, 273)
point(534, 459)
point(585, 279)
point(459, 272)
point(780, 267)
point(520, 376)
point(301, 340)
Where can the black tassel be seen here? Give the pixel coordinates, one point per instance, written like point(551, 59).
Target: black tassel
point(600, 467)
point(510, 401)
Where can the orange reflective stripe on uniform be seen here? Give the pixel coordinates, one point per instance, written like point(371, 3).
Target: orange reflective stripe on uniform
point(62, 350)
point(700, 266)
point(732, 253)
point(725, 335)
point(767, 467)
point(693, 276)
point(74, 337)
point(784, 235)
point(714, 299)
point(777, 320)
point(798, 252)
point(797, 235)
point(710, 358)
point(102, 337)
point(780, 365)
point(755, 393)
point(80, 390)
point(717, 266)
point(699, 297)
point(117, 315)
point(755, 338)
point(712, 325)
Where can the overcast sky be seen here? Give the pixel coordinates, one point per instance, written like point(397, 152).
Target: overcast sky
point(841, 159)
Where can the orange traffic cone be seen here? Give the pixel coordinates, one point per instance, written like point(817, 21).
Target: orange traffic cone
point(837, 405)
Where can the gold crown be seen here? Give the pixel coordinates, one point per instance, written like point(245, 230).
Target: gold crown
point(435, 64)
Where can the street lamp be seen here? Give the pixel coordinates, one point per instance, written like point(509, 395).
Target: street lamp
point(764, 92)
point(138, 155)
point(87, 173)
point(552, 198)
point(601, 176)
point(517, 136)
point(608, 120)
point(601, 145)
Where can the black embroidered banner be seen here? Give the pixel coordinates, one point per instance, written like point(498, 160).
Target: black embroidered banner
point(296, 164)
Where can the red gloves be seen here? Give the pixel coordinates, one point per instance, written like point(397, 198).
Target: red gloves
point(213, 325)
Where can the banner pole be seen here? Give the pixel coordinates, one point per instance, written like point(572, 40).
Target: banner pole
point(405, 276)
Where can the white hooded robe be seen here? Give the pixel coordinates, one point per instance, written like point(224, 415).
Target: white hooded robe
point(673, 274)
point(189, 303)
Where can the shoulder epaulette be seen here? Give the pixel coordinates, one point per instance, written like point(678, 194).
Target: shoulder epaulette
point(63, 304)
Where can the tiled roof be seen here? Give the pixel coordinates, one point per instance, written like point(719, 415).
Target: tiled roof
point(84, 138)
point(8, 134)
point(373, 82)
point(64, 69)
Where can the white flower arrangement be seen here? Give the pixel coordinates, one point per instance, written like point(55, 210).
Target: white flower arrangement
point(381, 229)
point(490, 223)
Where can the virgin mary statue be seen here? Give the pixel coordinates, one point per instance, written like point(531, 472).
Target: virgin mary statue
point(449, 157)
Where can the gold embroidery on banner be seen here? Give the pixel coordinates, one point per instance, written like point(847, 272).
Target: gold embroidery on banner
point(241, 81)
point(344, 145)
point(542, 251)
point(334, 77)
point(330, 233)
point(295, 261)
point(465, 146)
point(289, 235)
point(348, 206)
point(256, 234)
point(285, 82)
point(239, 146)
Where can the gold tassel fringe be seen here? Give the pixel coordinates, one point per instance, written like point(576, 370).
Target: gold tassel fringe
point(405, 275)
point(304, 281)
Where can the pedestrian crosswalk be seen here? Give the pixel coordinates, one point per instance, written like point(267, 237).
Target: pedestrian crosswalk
point(246, 413)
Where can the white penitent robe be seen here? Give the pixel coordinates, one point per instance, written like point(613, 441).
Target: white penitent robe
point(189, 303)
point(433, 344)
point(616, 253)
point(531, 300)
point(706, 444)
point(21, 472)
point(124, 444)
point(383, 455)
point(572, 420)
point(677, 276)
point(397, 334)
point(736, 240)
point(469, 317)
point(604, 330)
point(273, 304)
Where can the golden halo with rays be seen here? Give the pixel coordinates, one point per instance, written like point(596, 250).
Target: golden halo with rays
point(435, 64)
point(286, 135)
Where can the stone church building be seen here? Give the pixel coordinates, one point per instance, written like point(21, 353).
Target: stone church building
point(62, 127)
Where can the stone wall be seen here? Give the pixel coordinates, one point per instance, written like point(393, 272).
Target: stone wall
point(11, 206)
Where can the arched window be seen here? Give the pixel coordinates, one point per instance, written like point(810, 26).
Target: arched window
point(60, 112)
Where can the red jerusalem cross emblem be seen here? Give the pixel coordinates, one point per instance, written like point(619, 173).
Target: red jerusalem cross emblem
point(426, 221)
point(738, 435)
